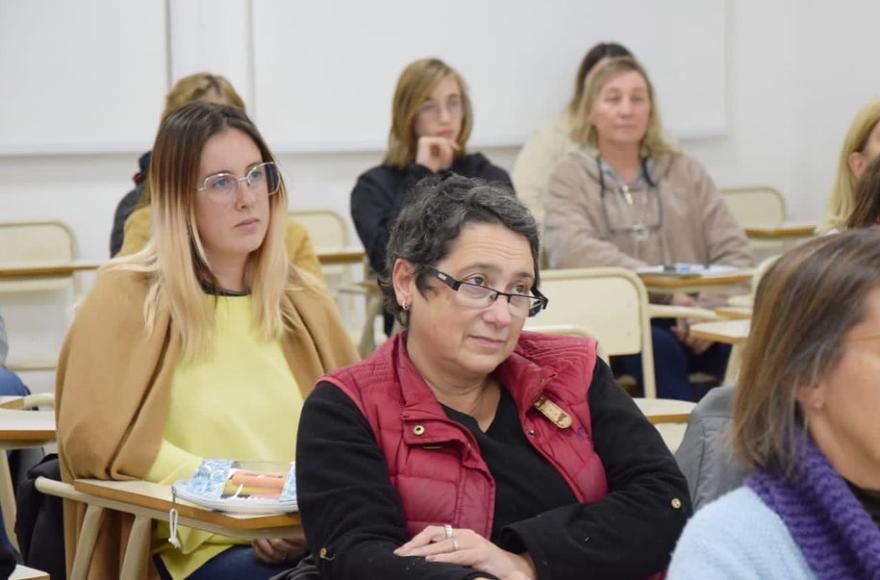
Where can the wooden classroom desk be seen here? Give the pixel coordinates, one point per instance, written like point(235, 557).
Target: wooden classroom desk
point(691, 284)
point(44, 270)
point(344, 257)
point(25, 573)
point(734, 332)
point(669, 417)
point(660, 411)
point(156, 499)
point(12, 271)
point(19, 429)
point(781, 232)
point(148, 502)
point(734, 312)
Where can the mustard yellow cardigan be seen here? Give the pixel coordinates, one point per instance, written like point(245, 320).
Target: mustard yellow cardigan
point(113, 384)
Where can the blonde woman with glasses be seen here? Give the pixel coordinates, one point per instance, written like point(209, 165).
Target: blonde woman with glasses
point(431, 120)
point(203, 344)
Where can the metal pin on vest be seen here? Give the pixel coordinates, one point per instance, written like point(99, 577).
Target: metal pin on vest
point(553, 412)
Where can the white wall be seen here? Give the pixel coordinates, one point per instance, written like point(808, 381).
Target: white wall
point(797, 71)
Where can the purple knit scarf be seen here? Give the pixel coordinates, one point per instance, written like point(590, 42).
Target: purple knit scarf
point(834, 532)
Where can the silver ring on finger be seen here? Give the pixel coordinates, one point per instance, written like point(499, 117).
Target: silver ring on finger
point(447, 531)
point(454, 544)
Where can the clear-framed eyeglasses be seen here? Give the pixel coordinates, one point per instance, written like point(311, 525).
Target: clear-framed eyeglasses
point(472, 295)
point(262, 179)
point(433, 110)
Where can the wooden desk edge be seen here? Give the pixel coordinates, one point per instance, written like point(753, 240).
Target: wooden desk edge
point(782, 232)
point(27, 435)
point(673, 282)
point(186, 509)
point(661, 418)
point(13, 404)
point(734, 312)
point(718, 336)
point(344, 257)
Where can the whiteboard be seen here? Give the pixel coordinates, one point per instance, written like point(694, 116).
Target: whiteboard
point(81, 76)
point(324, 72)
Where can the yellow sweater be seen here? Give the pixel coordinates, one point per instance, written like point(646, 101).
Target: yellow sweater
point(113, 391)
point(242, 403)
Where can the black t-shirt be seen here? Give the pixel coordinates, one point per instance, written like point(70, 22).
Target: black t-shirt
point(516, 467)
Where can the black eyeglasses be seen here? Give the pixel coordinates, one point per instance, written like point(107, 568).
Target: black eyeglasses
point(472, 295)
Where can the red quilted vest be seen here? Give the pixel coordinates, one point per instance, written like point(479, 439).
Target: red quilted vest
point(434, 462)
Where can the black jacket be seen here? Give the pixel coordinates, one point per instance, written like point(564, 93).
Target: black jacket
point(378, 196)
point(128, 204)
point(39, 526)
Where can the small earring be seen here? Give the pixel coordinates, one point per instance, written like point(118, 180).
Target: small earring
point(404, 305)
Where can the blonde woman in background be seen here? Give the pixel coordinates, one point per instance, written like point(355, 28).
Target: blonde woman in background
point(201, 86)
point(551, 143)
point(631, 198)
point(131, 224)
point(860, 146)
point(431, 121)
point(203, 344)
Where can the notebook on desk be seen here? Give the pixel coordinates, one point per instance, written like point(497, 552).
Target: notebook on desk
point(684, 270)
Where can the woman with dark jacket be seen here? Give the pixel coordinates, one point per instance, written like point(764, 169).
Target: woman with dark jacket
point(465, 448)
point(431, 121)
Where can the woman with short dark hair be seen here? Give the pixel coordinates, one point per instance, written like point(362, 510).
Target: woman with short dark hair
point(805, 418)
point(467, 448)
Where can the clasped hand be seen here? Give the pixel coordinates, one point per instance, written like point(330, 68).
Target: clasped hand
point(682, 328)
point(468, 548)
point(279, 550)
point(436, 153)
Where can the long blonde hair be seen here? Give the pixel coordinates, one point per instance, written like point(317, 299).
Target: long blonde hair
point(842, 200)
point(202, 86)
point(655, 141)
point(414, 87)
point(174, 259)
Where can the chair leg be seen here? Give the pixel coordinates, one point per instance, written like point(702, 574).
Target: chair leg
point(138, 538)
point(733, 363)
point(7, 500)
point(85, 546)
point(368, 340)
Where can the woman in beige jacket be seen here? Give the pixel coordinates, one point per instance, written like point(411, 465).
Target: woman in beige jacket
point(631, 199)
